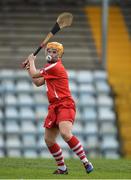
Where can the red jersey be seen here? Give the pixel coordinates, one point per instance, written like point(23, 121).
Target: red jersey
point(56, 81)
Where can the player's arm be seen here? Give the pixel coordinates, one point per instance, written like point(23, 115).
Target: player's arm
point(38, 81)
point(33, 72)
point(30, 67)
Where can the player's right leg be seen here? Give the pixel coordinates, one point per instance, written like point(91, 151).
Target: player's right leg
point(55, 150)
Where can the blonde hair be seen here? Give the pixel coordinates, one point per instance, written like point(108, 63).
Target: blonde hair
point(58, 46)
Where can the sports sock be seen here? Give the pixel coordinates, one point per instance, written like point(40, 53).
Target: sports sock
point(76, 146)
point(56, 152)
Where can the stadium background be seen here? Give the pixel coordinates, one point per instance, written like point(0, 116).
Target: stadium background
point(100, 78)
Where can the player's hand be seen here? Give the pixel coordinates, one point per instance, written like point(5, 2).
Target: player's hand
point(27, 66)
point(31, 58)
point(25, 63)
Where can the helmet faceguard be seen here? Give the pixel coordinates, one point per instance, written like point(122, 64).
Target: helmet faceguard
point(53, 51)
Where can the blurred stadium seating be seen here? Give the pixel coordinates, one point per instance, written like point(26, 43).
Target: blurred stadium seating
point(102, 119)
point(23, 109)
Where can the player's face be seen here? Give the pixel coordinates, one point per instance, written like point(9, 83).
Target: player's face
point(51, 55)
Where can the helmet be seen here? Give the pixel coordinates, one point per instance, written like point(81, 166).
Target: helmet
point(58, 46)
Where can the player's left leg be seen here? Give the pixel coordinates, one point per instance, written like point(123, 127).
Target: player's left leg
point(50, 139)
point(65, 128)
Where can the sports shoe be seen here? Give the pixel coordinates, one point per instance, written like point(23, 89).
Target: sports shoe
point(59, 171)
point(88, 167)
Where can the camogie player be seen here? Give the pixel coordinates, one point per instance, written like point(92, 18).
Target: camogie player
point(61, 110)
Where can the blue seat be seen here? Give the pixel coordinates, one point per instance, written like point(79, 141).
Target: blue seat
point(100, 75)
point(11, 113)
point(28, 141)
point(8, 86)
point(12, 127)
point(28, 127)
point(23, 86)
point(30, 153)
point(102, 87)
point(10, 99)
point(91, 128)
point(109, 142)
point(13, 141)
point(84, 77)
point(26, 113)
point(104, 101)
point(89, 114)
point(106, 114)
point(86, 89)
point(25, 100)
point(14, 152)
point(87, 100)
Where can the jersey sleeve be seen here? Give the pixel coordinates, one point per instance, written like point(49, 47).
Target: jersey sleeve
point(51, 71)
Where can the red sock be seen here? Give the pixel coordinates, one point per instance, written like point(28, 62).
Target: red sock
point(76, 146)
point(56, 152)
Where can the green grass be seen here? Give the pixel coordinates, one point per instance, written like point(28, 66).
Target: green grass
point(14, 168)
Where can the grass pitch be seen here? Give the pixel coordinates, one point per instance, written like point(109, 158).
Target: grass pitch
point(13, 168)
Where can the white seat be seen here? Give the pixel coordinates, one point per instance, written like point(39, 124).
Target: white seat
point(105, 101)
point(111, 154)
point(28, 127)
point(100, 75)
point(87, 89)
point(12, 141)
point(8, 85)
point(21, 74)
point(86, 100)
point(92, 142)
point(12, 127)
point(91, 128)
point(11, 113)
point(84, 77)
point(26, 113)
point(89, 114)
point(13, 152)
point(109, 142)
point(106, 114)
point(23, 86)
point(30, 153)
point(25, 100)
point(7, 74)
point(108, 128)
point(10, 100)
point(29, 140)
point(102, 87)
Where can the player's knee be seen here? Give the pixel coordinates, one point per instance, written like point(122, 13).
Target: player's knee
point(66, 135)
point(49, 141)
